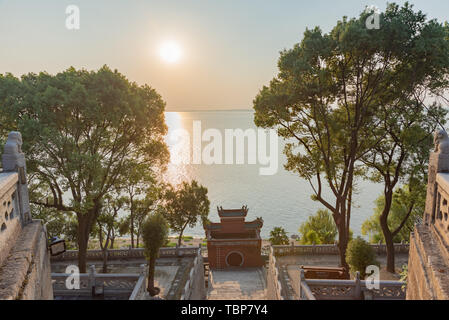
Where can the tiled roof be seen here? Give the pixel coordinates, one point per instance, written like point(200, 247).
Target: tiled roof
point(232, 212)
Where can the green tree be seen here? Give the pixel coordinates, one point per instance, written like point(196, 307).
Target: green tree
point(402, 153)
point(406, 209)
point(319, 229)
point(10, 93)
point(278, 236)
point(154, 235)
point(82, 132)
point(360, 255)
point(141, 208)
point(108, 226)
point(185, 205)
point(141, 192)
point(330, 88)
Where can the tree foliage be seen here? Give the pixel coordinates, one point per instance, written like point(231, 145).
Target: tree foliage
point(360, 255)
point(278, 236)
point(185, 205)
point(406, 206)
point(332, 87)
point(82, 133)
point(154, 235)
point(318, 229)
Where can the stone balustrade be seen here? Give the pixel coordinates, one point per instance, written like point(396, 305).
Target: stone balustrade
point(330, 249)
point(24, 256)
point(428, 265)
point(132, 253)
point(111, 284)
point(440, 212)
point(194, 289)
point(10, 224)
point(274, 285)
point(317, 289)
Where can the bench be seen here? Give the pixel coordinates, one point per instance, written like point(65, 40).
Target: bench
point(337, 273)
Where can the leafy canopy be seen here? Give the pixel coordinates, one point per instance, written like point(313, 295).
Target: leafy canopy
point(319, 229)
point(82, 132)
point(360, 255)
point(185, 205)
point(154, 234)
point(278, 236)
point(403, 202)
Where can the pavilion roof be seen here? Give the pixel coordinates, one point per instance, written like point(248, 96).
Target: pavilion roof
point(232, 212)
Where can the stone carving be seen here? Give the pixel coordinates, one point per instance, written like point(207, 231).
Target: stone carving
point(13, 157)
point(14, 143)
point(13, 160)
point(441, 141)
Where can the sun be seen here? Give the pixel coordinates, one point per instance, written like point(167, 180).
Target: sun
point(170, 52)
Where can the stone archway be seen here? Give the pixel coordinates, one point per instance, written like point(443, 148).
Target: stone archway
point(234, 259)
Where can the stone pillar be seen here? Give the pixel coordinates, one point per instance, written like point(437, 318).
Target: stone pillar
point(13, 160)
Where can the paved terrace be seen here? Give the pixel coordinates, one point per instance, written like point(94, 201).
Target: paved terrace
point(237, 284)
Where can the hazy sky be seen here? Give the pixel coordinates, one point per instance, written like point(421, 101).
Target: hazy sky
point(229, 48)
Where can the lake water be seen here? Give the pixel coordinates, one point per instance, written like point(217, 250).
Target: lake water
point(282, 199)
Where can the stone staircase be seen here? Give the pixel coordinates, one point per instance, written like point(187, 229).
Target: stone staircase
point(237, 284)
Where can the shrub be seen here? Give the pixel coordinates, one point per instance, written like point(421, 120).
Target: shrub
point(319, 229)
point(154, 236)
point(278, 236)
point(360, 255)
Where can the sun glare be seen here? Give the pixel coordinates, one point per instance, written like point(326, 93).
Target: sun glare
point(170, 52)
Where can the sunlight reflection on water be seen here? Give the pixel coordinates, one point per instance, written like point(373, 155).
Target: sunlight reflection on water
point(281, 200)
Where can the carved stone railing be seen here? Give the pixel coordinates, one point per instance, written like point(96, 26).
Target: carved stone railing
point(10, 224)
point(111, 284)
point(330, 249)
point(140, 289)
point(440, 214)
point(273, 277)
point(119, 254)
point(314, 289)
point(196, 272)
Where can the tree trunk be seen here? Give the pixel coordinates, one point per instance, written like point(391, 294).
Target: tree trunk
point(389, 242)
point(131, 220)
point(342, 246)
point(105, 260)
point(386, 230)
point(83, 240)
point(180, 238)
point(85, 222)
point(151, 271)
